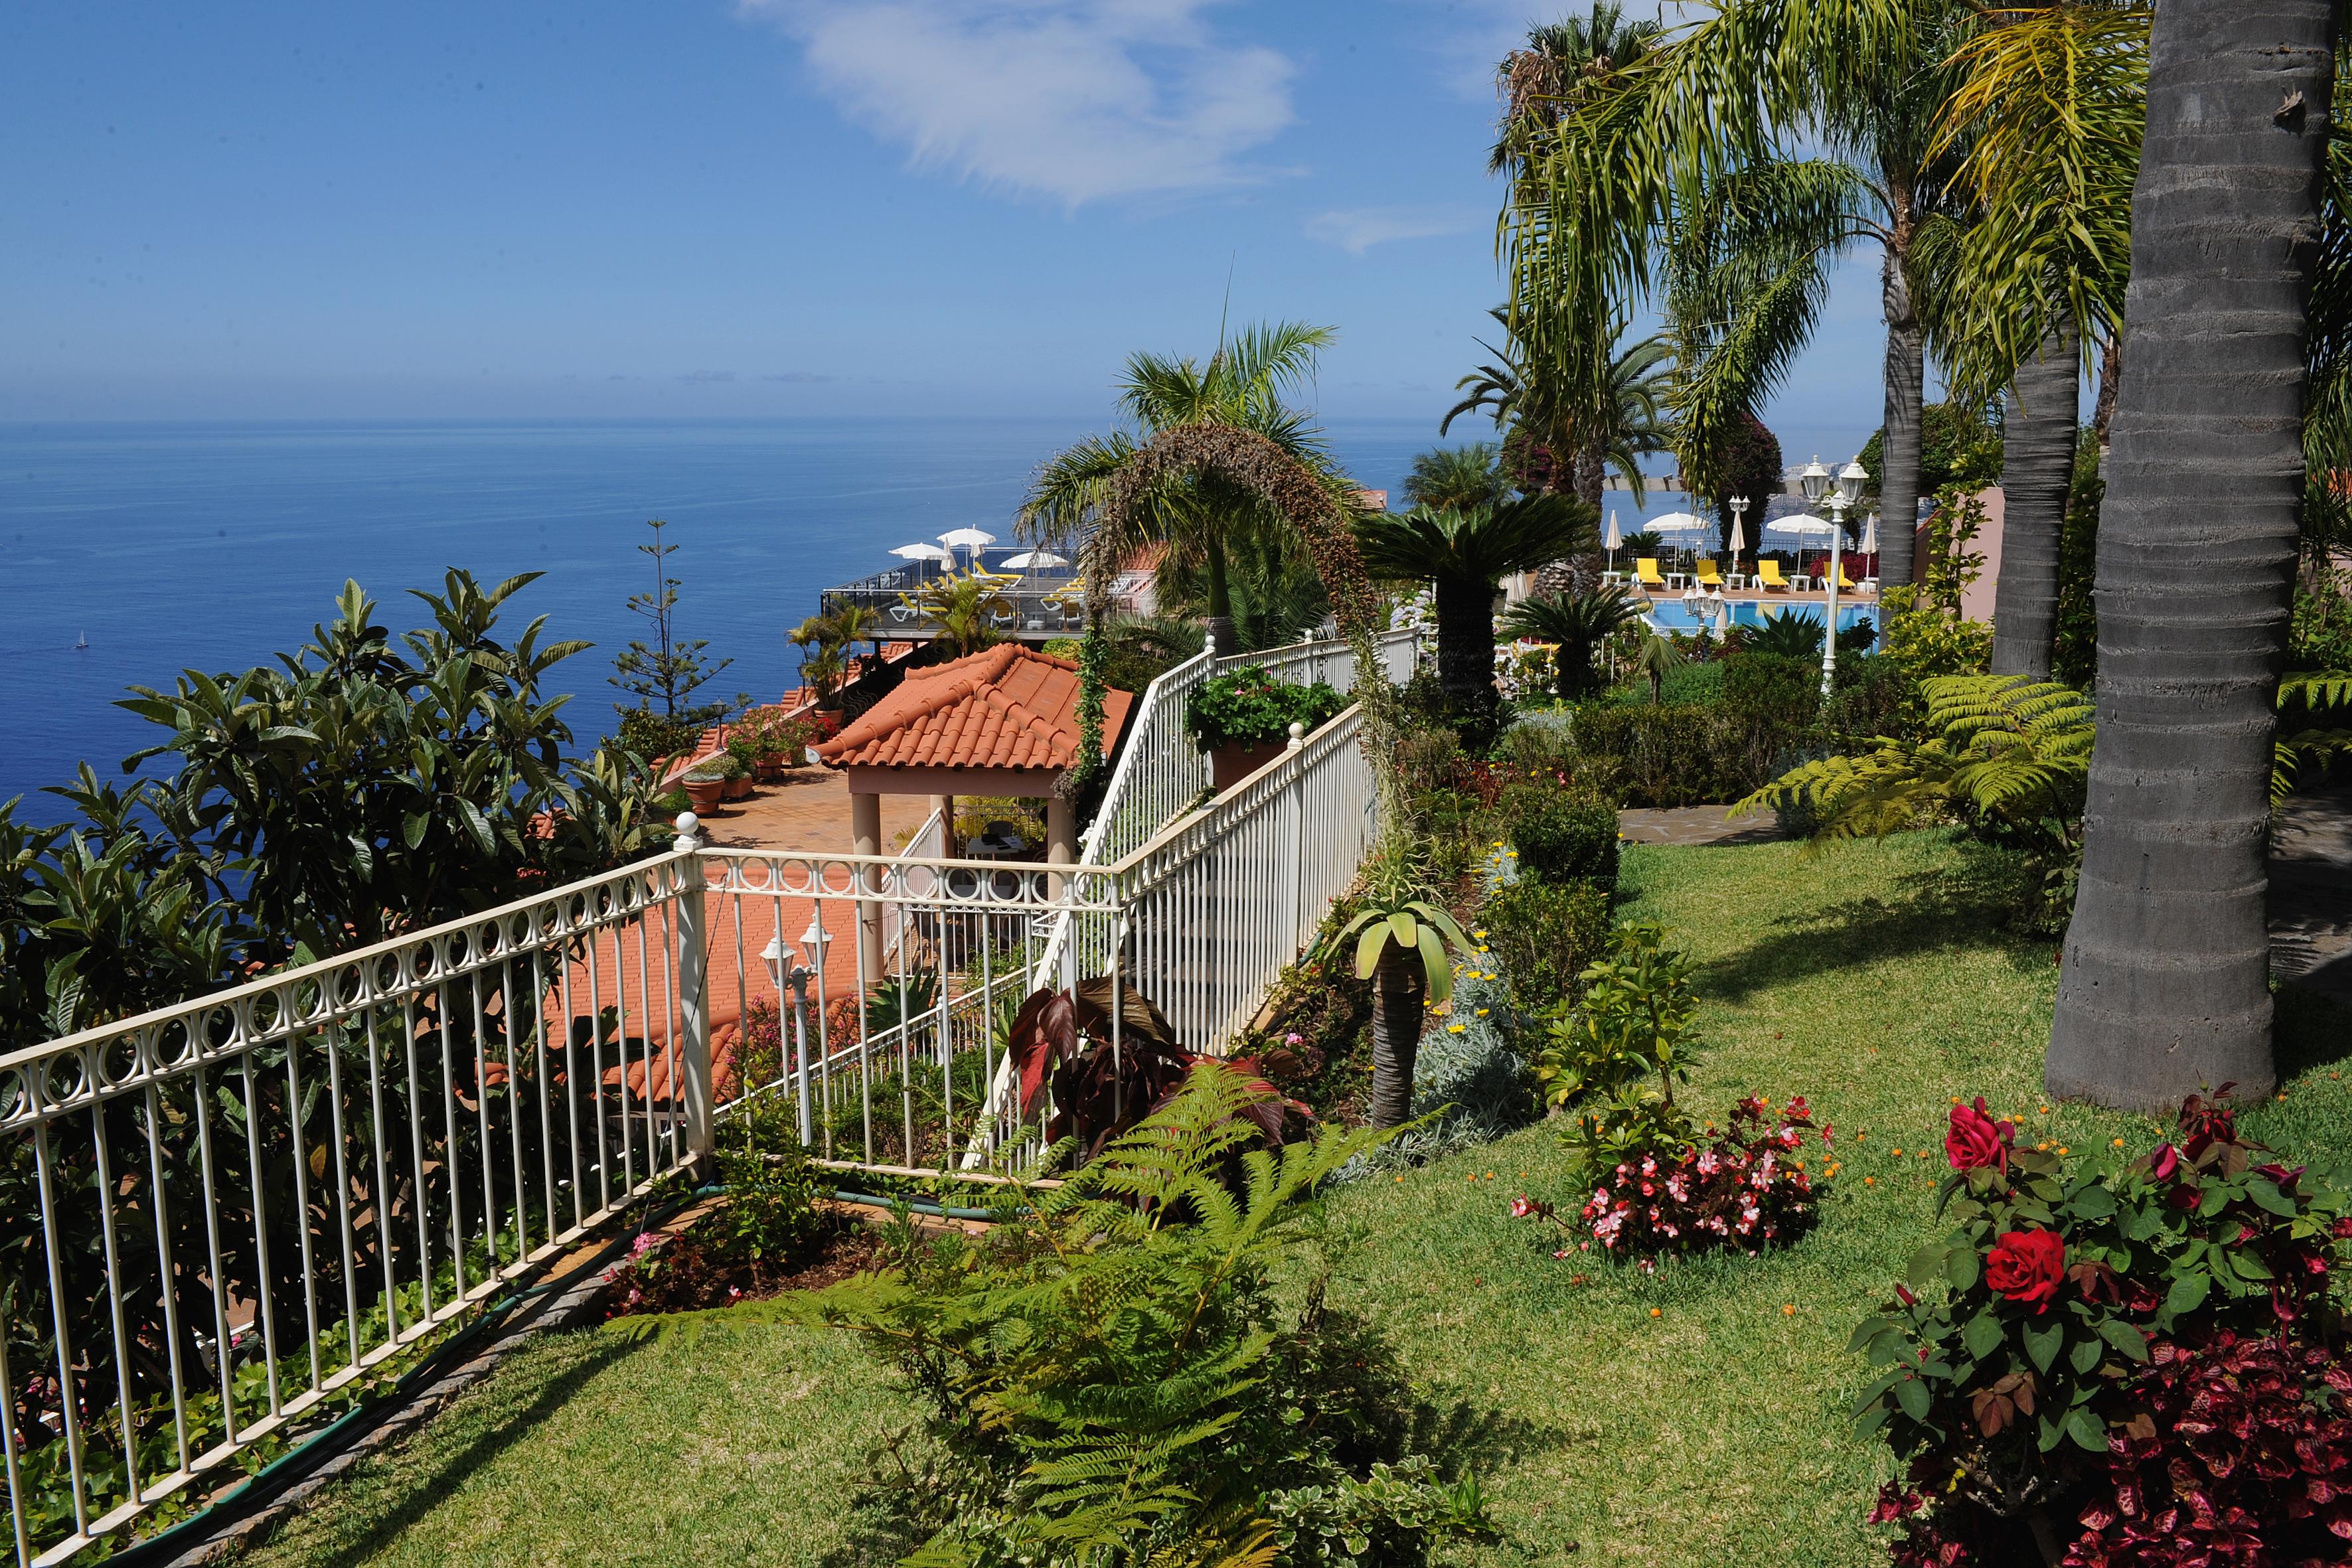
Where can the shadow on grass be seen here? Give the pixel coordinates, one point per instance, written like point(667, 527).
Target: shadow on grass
point(399, 1485)
point(2311, 1031)
point(1970, 900)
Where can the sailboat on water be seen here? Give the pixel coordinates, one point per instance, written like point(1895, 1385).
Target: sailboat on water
point(83, 643)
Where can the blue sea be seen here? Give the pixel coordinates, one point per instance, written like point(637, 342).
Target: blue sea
point(212, 546)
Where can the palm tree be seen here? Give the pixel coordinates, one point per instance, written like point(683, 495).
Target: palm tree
point(2163, 988)
point(2049, 108)
point(1243, 385)
point(1548, 440)
point(1399, 938)
point(1272, 594)
point(1667, 151)
point(1457, 477)
point(962, 607)
point(1559, 61)
point(1655, 659)
point(1576, 624)
point(1462, 554)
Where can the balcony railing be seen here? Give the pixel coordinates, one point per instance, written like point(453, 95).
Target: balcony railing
point(225, 1214)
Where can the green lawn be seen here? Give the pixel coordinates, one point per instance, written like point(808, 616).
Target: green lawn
point(1875, 979)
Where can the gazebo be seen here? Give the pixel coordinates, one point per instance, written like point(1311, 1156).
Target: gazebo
point(1003, 722)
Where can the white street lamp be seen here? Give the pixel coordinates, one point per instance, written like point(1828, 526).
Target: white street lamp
point(1738, 529)
point(793, 977)
point(1848, 492)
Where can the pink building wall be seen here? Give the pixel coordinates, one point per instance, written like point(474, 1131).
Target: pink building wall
point(1976, 599)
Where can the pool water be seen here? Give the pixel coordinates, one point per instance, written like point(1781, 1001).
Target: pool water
point(1673, 615)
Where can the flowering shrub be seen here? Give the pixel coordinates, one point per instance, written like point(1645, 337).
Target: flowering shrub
point(1633, 1026)
point(2070, 1351)
point(1743, 1188)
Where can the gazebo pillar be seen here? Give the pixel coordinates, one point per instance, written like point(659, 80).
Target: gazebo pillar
point(1061, 836)
point(945, 805)
point(866, 835)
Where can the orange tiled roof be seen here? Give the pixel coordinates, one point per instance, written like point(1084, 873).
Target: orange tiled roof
point(1005, 706)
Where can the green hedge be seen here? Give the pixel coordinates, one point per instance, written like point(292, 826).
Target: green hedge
point(1544, 934)
point(1562, 834)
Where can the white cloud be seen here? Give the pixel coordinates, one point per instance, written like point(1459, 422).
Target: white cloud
point(1357, 229)
point(1078, 101)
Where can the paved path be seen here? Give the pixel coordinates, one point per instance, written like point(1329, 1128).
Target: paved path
point(2311, 893)
point(1694, 825)
point(809, 809)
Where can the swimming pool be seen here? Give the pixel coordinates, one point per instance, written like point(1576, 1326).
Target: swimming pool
point(1673, 615)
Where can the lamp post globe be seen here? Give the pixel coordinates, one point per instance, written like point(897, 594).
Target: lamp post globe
point(1814, 479)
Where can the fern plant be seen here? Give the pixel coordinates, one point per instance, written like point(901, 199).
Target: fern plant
point(2314, 727)
point(1110, 1376)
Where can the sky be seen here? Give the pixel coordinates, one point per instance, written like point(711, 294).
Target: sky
point(751, 208)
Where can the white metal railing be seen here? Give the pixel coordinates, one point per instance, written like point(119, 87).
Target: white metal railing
point(225, 1212)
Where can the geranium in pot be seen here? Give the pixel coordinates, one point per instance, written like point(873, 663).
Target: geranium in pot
point(1242, 719)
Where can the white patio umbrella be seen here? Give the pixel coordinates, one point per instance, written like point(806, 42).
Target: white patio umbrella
point(1678, 522)
point(1738, 537)
point(966, 538)
point(923, 553)
point(1801, 525)
point(1034, 559)
point(1870, 535)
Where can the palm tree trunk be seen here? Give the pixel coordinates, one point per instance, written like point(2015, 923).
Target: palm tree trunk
point(1219, 621)
point(2164, 988)
point(1397, 1018)
point(1465, 640)
point(2111, 380)
point(2037, 471)
point(1907, 372)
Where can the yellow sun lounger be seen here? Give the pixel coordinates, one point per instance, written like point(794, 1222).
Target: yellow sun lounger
point(1709, 576)
point(1845, 584)
point(1646, 572)
point(1768, 577)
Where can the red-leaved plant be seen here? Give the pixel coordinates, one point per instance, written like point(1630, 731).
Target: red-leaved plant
point(2041, 1368)
point(1744, 1188)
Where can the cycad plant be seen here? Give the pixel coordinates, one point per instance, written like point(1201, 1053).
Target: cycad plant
point(1399, 939)
point(1577, 624)
point(1462, 554)
point(1111, 1378)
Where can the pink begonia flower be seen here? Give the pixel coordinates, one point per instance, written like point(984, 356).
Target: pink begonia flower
point(1293, 1039)
point(1521, 1208)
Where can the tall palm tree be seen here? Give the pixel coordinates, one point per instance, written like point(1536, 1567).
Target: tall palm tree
point(1462, 554)
point(1549, 443)
point(2164, 985)
point(1559, 61)
point(1244, 384)
point(1719, 97)
point(2049, 108)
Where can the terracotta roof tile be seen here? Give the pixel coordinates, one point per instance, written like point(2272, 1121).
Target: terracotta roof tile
point(1005, 706)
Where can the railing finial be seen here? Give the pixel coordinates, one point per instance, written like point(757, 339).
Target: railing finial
point(687, 823)
point(1209, 645)
point(1298, 735)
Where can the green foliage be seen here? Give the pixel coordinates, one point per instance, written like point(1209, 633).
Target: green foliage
point(1273, 592)
point(1926, 642)
point(962, 607)
point(1773, 690)
point(2005, 1356)
point(1656, 658)
point(1543, 934)
point(1613, 1060)
point(1401, 911)
point(1693, 754)
point(771, 1213)
point(1948, 563)
point(1794, 635)
point(1476, 544)
point(1562, 834)
point(1110, 1376)
point(1250, 707)
point(1960, 448)
point(1577, 624)
point(667, 671)
point(1457, 478)
point(825, 642)
point(2315, 728)
point(653, 737)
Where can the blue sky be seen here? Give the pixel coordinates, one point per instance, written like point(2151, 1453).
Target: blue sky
point(702, 207)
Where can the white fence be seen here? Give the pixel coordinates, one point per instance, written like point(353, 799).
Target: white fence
point(223, 1212)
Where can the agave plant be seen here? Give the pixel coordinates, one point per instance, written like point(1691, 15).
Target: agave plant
point(1790, 635)
point(1577, 622)
point(1401, 938)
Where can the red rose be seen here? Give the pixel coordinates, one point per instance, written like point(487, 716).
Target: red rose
point(2027, 1265)
point(1976, 1138)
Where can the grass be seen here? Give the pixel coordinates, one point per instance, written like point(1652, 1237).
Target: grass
point(1875, 979)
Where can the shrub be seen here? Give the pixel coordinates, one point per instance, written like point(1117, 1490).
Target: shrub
point(1675, 755)
point(1562, 834)
point(1544, 934)
point(1111, 1376)
point(1250, 707)
point(1770, 688)
point(653, 737)
point(1635, 1024)
point(2019, 1370)
point(1743, 1188)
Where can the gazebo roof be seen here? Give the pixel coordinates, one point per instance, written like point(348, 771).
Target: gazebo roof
point(1005, 706)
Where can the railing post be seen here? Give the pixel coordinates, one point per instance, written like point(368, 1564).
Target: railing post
point(693, 999)
point(1297, 838)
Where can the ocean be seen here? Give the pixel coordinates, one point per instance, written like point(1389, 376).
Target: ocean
point(212, 546)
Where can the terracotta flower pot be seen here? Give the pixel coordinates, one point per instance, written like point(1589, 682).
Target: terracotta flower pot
point(703, 794)
point(1234, 762)
point(770, 767)
point(737, 789)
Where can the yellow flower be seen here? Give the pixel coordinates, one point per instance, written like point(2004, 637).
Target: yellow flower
point(1455, 1029)
point(1481, 1013)
point(2117, 1144)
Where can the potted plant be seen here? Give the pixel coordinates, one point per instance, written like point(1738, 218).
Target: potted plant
point(737, 784)
point(705, 782)
point(1242, 719)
